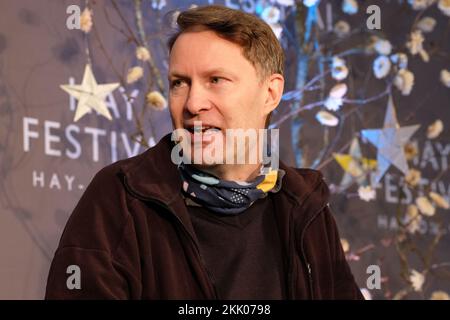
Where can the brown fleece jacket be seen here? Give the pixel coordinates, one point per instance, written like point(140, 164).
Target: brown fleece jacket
point(132, 237)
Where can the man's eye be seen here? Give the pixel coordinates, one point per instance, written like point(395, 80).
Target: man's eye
point(215, 79)
point(176, 83)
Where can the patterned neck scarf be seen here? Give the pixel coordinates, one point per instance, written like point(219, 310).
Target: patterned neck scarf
point(227, 197)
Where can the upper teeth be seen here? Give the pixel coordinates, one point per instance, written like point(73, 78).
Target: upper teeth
point(200, 129)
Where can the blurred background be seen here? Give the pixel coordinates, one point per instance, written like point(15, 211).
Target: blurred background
point(367, 102)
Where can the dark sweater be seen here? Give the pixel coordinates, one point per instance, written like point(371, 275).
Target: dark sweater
point(243, 252)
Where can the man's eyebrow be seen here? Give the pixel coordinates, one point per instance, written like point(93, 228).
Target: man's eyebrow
point(176, 74)
point(216, 70)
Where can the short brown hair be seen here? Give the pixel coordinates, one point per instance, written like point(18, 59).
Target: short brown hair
point(259, 44)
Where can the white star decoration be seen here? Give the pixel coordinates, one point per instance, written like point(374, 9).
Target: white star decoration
point(90, 95)
point(390, 142)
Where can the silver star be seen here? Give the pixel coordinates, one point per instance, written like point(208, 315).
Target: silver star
point(390, 142)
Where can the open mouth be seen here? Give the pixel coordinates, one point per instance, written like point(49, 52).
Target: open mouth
point(202, 129)
point(204, 133)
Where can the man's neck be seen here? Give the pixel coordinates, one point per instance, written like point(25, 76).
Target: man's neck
point(233, 172)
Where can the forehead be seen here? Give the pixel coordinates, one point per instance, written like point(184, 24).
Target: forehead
point(204, 49)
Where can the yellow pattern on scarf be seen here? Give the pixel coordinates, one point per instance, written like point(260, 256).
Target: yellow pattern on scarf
point(269, 181)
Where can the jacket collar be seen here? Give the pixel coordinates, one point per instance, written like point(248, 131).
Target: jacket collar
point(153, 175)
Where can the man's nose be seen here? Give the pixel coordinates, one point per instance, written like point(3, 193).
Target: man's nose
point(197, 100)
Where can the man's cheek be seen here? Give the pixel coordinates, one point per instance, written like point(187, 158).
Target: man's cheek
point(175, 109)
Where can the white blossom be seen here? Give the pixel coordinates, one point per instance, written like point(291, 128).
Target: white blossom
point(271, 15)
point(366, 193)
point(383, 47)
point(439, 295)
point(174, 18)
point(424, 55)
point(86, 20)
point(444, 6)
point(417, 279)
point(400, 59)
point(134, 74)
point(339, 70)
point(337, 62)
point(333, 104)
point(158, 4)
point(415, 44)
point(286, 3)
point(411, 150)
point(345, 245)
point(142, 54)
point(339, 73)
point(327, 119)
point(381, 67)
point(350, 6)
point(439, 200)
point(339, 90)
point(412, 177)
point(420, 4)
point(445, 77)
point(156, 100)
point(426, 24)
point(425, 206)
point(341, 28)
point(435, 129)
point(412, 219)
point(404, 81)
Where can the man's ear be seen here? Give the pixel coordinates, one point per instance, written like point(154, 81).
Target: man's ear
point(275, 87)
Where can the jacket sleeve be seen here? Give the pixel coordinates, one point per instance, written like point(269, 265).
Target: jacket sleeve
point(97, 276)
point(96, 254)
point(345, 287)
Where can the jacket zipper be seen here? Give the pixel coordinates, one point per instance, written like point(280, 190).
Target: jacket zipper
point(305, 260)
point(202, 261)
point(161, 204)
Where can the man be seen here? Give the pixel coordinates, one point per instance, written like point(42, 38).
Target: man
point(149, 228)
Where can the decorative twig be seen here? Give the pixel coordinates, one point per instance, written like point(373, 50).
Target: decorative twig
point(141, 31)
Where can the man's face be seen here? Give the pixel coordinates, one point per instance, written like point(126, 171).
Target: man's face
point(212, 82)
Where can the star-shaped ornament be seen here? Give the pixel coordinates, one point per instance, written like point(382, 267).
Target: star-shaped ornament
point(90, 95)
point(390, 142)
point(356, 167)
